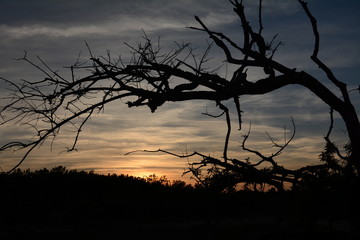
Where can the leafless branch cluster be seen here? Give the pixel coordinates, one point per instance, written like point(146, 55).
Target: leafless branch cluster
point(151, 77)
point(230, 172)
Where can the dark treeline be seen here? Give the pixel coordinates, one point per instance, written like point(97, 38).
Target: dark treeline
point(58, 203)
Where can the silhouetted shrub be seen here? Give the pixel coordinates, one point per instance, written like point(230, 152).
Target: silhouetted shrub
point(71, 199)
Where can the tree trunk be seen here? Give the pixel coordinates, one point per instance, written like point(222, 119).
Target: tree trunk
point(353, 128)
point(344, 108)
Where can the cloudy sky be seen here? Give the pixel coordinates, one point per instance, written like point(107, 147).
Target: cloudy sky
point(57, 30)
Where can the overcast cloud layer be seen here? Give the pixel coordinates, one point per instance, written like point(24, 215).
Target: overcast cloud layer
point(56, 31)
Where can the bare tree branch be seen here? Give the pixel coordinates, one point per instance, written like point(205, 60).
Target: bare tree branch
point(151, 77)
point(314, 56)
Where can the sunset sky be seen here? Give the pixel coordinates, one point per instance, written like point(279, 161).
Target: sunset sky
point(57, 30)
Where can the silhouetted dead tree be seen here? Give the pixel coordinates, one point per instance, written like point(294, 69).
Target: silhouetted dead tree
point(152, 77)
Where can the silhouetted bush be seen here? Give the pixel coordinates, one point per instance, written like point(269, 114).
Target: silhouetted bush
point(90, 204)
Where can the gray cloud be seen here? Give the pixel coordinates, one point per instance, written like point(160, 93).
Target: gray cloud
point(56, 30)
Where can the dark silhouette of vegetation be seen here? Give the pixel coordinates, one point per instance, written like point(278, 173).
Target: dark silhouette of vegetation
point(61, 203)
point(147, 79)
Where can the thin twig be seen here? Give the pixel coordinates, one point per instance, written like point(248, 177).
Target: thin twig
point(314, 57)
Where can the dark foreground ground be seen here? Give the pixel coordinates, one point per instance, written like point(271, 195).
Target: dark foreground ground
point(54, 205)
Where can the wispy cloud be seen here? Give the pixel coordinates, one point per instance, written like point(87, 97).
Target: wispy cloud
point(57, 32)
point(42, 30)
